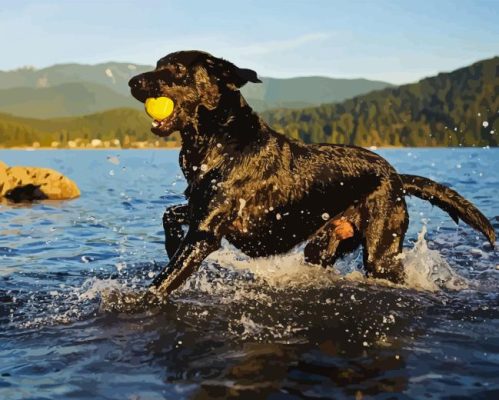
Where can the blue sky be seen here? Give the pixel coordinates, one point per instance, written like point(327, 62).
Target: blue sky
point(396, 41)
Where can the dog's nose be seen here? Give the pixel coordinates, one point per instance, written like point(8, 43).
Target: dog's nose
point(136, 82)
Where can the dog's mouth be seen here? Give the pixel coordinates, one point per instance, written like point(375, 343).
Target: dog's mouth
point(158, 124)
point(161, 128)
point(161, 109)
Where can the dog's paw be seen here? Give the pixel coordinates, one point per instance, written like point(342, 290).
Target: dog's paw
point(126, 300)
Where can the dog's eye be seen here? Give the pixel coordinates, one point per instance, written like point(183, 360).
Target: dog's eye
point(180, 69)
point(165, 75)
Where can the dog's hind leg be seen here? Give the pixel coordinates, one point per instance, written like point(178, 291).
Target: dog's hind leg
point(386, 223)
point(326, 249)
point(330, 243)
point(173, 219)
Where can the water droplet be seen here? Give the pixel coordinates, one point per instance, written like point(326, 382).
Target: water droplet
point(119, 266)
point(113, 160)
point(325, 216)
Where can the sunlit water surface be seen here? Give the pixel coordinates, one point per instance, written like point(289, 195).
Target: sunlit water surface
point(272, 328)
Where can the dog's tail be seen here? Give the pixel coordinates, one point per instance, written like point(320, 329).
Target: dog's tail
point(450, 201)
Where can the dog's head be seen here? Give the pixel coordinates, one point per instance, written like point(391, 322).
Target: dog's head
point(191, 79)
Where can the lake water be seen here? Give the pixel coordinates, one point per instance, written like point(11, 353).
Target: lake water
point(275, 328)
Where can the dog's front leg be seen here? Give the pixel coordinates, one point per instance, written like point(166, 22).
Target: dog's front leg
point(173, 219)
point(195, 247)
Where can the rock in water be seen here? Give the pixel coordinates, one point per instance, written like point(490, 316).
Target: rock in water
point(33, 183)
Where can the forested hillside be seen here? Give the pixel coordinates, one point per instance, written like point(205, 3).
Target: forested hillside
point(125, 125)
point(450, 109)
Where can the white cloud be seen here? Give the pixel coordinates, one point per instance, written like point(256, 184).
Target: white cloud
point(273, 46)
point(219, 45)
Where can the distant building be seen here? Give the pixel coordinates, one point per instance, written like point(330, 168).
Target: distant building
point(96, 143)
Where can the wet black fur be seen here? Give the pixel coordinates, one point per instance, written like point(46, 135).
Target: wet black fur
point(266, 193)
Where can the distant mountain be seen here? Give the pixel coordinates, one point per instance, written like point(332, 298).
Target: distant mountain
point(75, 89)
point(113, 75)
point(67, 89)
point(306, 91)
point(67, 99)
point(450, 109)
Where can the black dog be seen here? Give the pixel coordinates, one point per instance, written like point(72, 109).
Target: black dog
point(266, 193)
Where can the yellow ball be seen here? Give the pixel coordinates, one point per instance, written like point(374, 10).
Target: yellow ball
point(159, 108)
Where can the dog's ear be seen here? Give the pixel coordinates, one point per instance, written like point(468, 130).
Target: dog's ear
point(234, 77)
point(244, 75)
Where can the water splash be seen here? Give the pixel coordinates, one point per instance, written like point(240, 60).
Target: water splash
point(229, 277)
point(426, 269)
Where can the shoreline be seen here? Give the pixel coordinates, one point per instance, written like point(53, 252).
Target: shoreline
point(89, 148)
point(27, 148)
